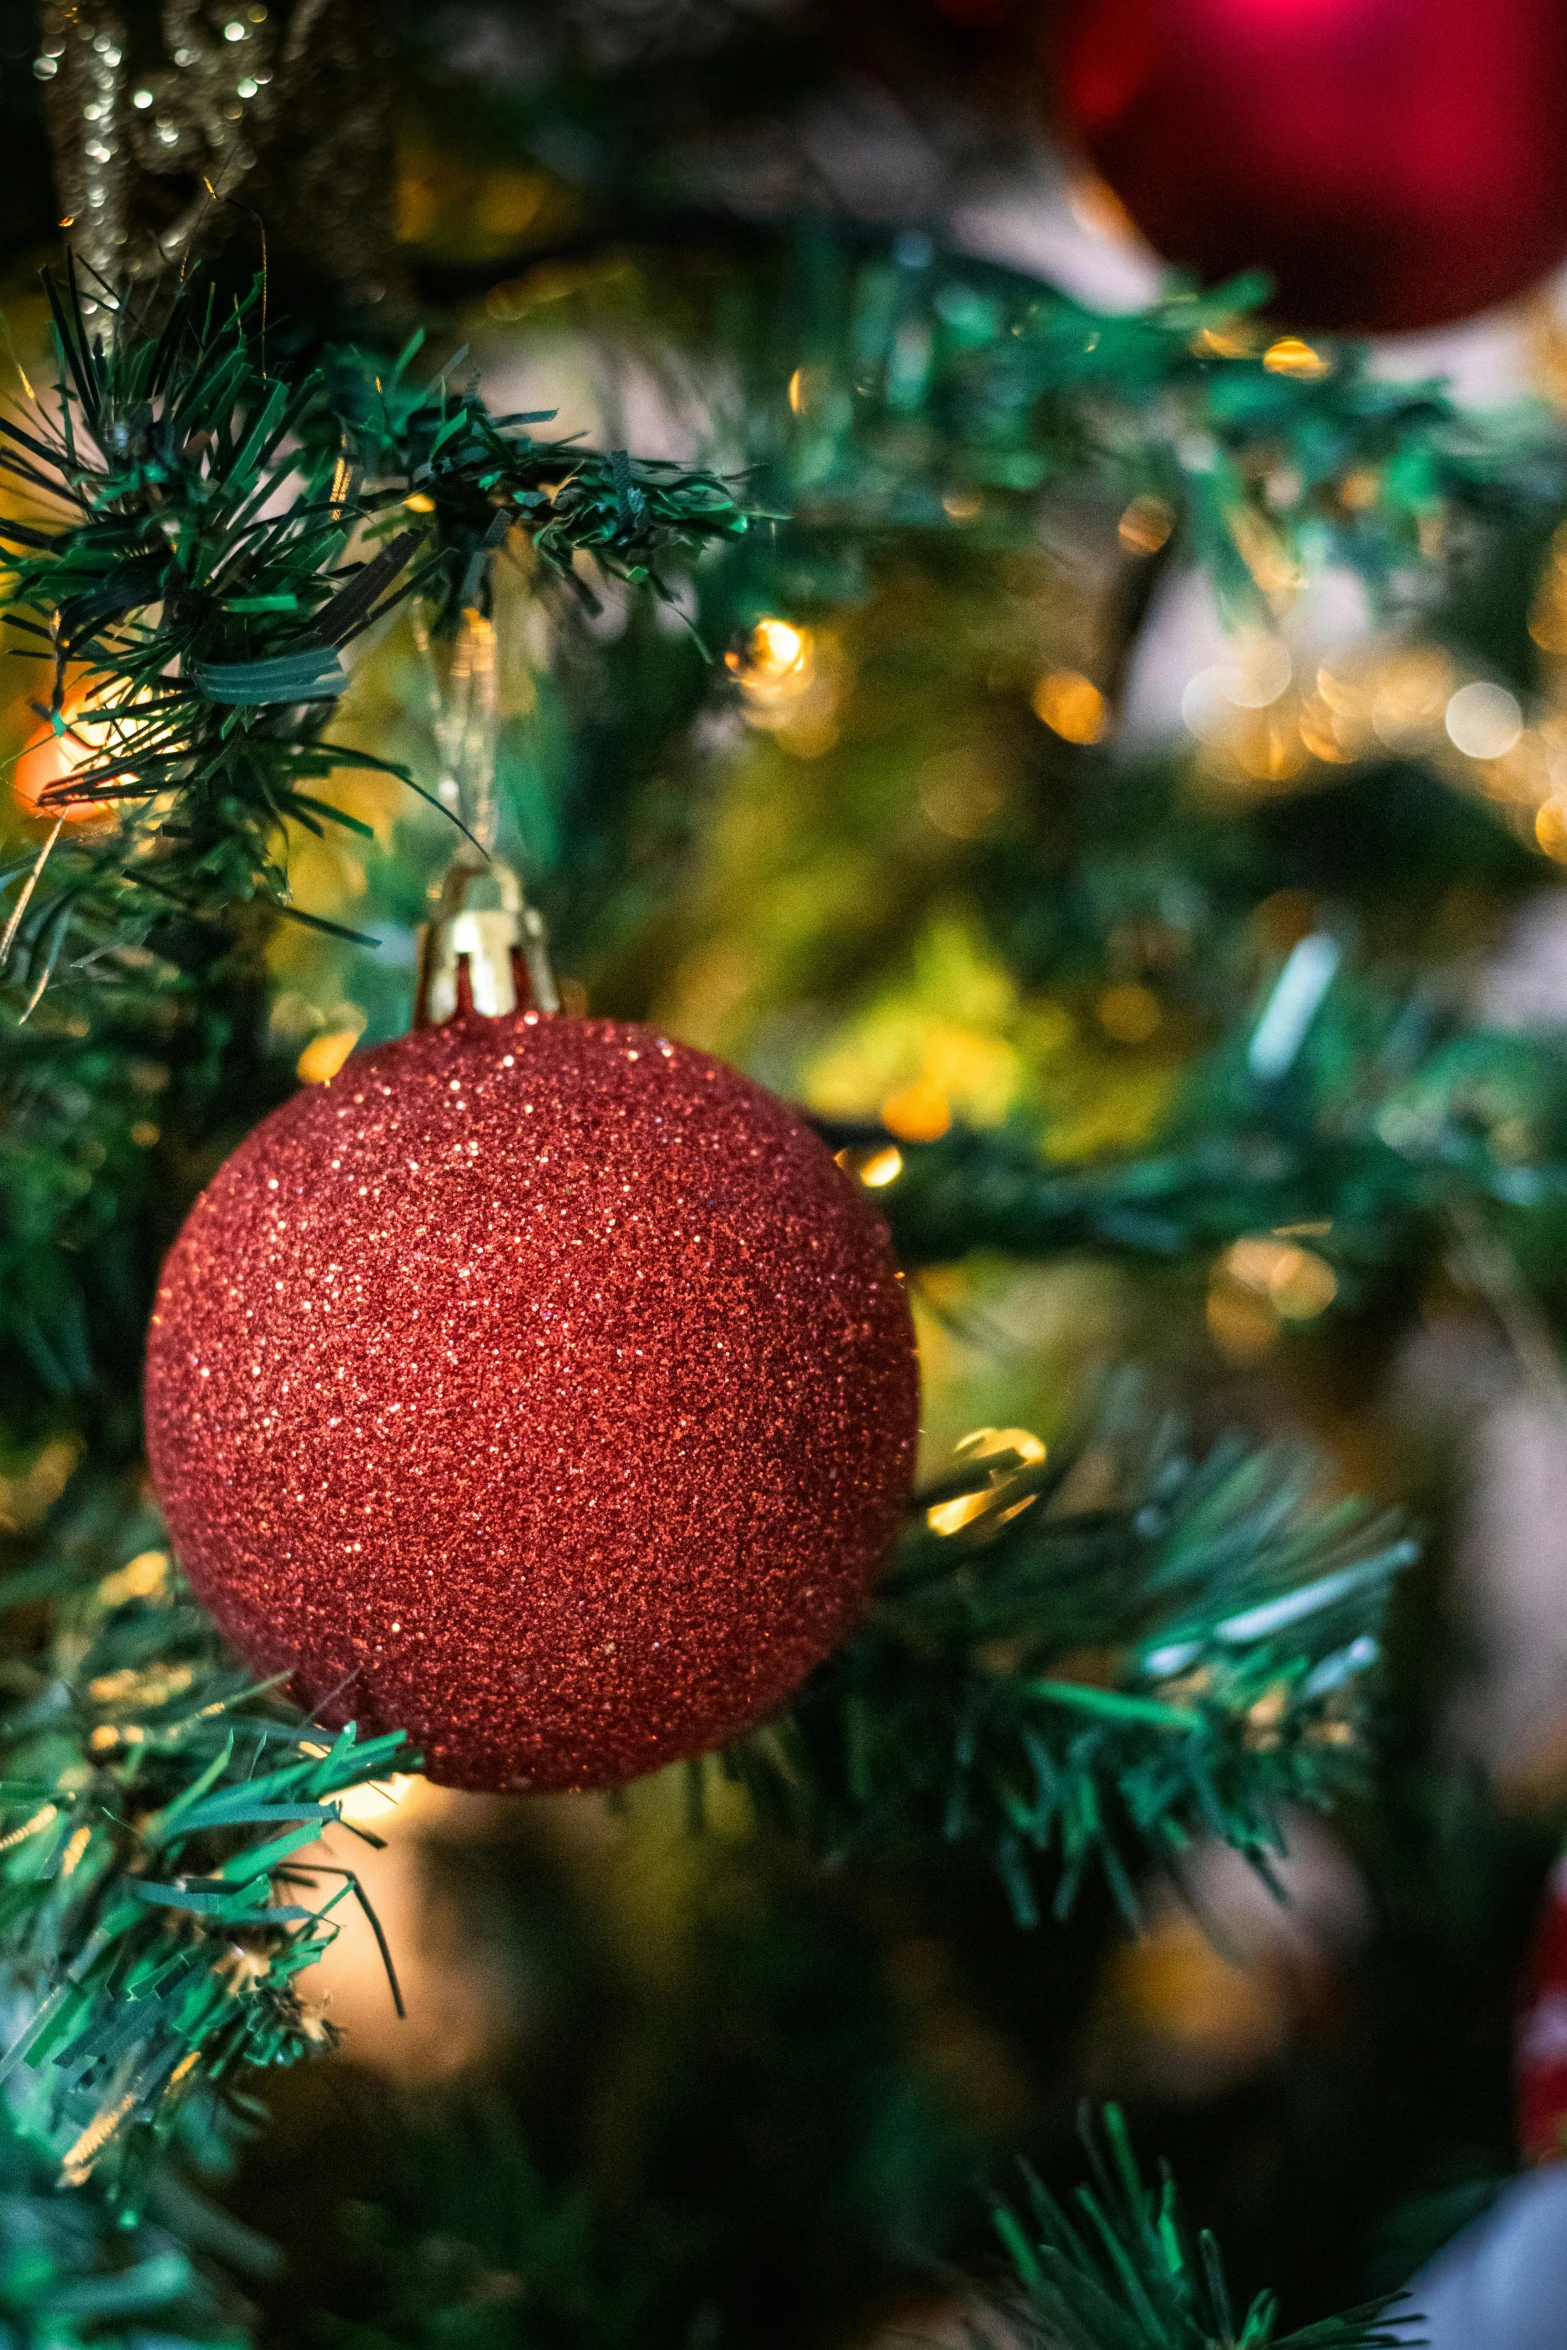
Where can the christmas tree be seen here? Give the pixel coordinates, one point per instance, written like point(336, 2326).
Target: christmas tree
point(672, 725)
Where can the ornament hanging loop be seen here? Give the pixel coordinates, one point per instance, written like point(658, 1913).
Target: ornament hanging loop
point(485, 950)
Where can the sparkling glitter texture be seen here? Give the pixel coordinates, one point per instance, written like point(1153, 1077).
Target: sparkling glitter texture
point(540, 1387)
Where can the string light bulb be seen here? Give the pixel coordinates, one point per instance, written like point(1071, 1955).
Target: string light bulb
point(74, 744)
point(788, 688)
point(774, 650)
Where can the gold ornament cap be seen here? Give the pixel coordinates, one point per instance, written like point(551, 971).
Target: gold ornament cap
point(485, 950)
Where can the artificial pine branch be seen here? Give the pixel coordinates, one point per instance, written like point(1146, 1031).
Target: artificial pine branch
point(208, 535)
point(161, 1884)
point(108, 1097)
point(929, 379)
point(1383, 1115)
point(229, 529)
point(74, 2276)
point(1101, 1681)
point(1095, 1684)
point(1122, 2271)
point(1093, 1662)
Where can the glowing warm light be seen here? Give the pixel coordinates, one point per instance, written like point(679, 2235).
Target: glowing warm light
point(790, 684)
point(1290, 356)
point(1254, 674)
point(1483, 721)
point(1071, 705)
point(143, 1577)
point(1261, 722)
point(949, 1517)
point(1271, 750)
point(1550, 830)
point(1323, 732)
point(1096, 207)
point(1256, 671)
point(56, 755)
point(960, 505)
point(1235, 341)
point(778, 650)
point(797, 390)
point(1261, 1283)
point(1343, 696)
point(917, 1113)
point(1548, 615)
point(1265, 555)
point(366, 1806)
point(419, 503)
point(880, 1168)
point(1408, 699)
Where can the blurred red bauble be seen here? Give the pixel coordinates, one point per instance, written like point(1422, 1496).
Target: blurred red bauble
point(1541, 2055)
point(1395, 163)
point(539, 1387)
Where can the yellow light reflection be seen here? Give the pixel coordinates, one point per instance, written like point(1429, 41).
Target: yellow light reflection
point(325, 1054)
point(879, 1168)
point(1550, 830)
point(366, 1807)
point(1011, 1449)
point(950, 1517)
point(1291, 356)
point(1297, 1283)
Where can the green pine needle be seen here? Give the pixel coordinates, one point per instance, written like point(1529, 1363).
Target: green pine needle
point(204, 539)
point(1091, 1663)
point(1121, 2270)
point(74, 2276)
point(161, 1882)
point(1384, 1116)
point(951, 388)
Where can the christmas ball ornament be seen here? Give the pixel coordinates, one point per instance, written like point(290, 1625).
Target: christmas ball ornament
point(1394, 163)
point(538, 1386)
point(1541, 2059)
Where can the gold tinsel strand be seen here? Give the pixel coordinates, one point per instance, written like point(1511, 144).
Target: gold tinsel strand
point(256, 111)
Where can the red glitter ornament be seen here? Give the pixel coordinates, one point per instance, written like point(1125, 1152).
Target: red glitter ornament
point(540, 1387)
point(1395, 163)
